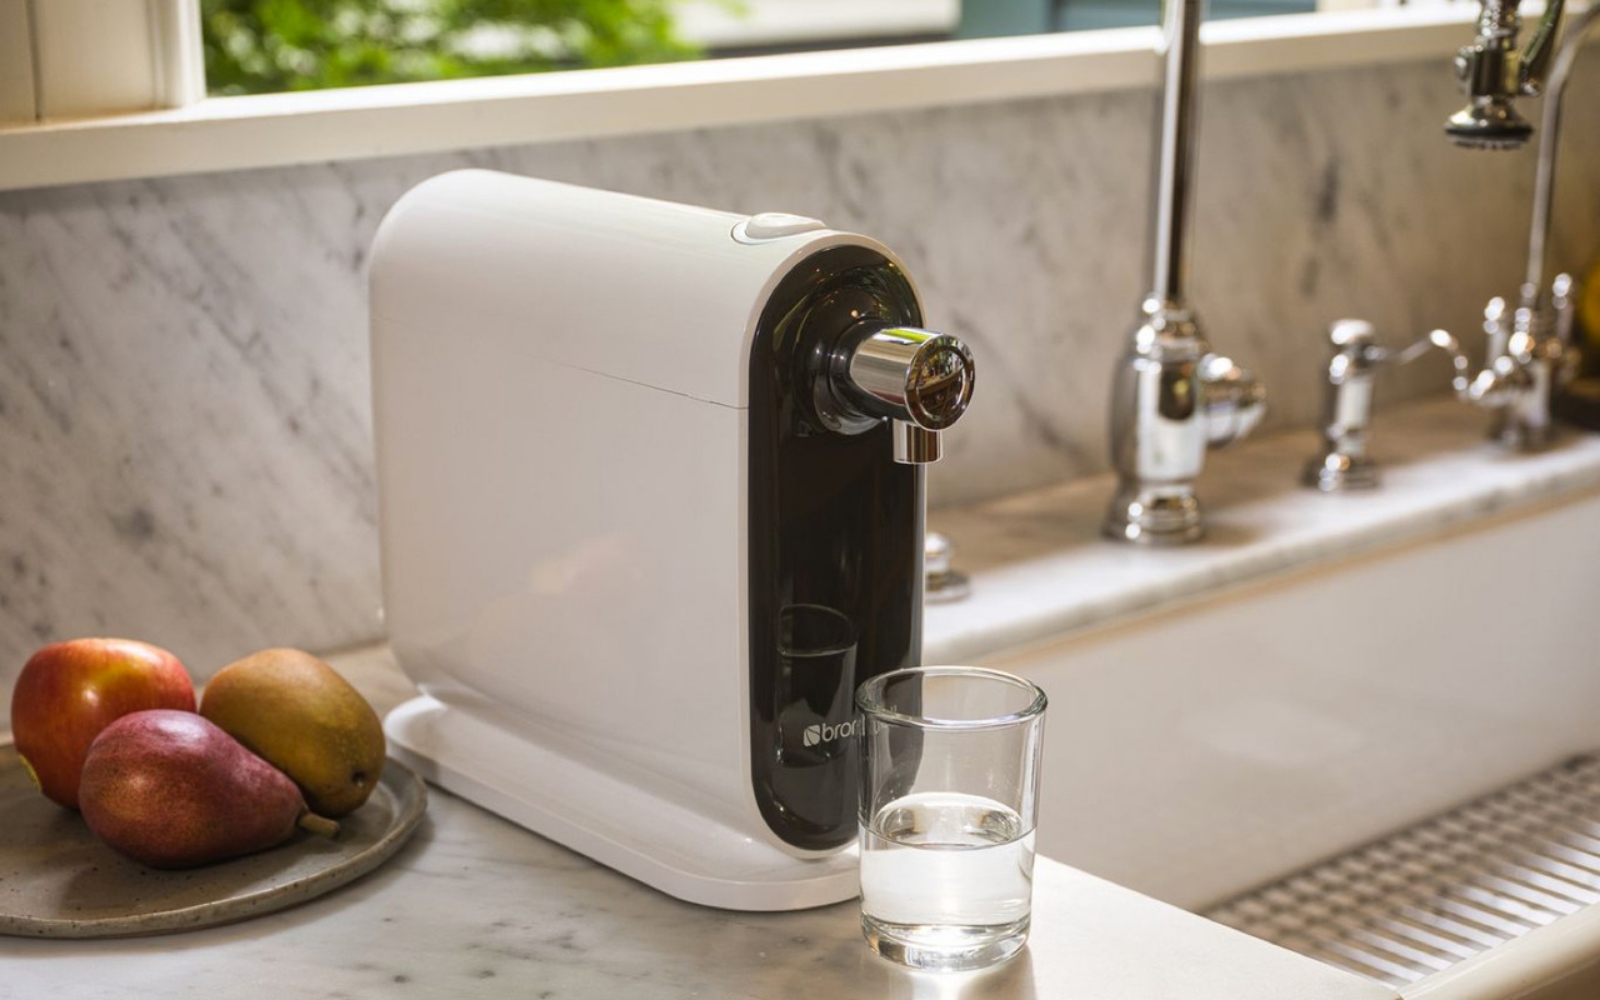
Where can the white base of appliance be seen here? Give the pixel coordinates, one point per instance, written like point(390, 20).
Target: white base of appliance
point(623, 826)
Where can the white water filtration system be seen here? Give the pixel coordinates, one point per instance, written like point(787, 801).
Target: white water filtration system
point(651, 498)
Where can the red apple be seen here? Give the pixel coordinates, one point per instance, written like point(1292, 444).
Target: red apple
point(70, 691)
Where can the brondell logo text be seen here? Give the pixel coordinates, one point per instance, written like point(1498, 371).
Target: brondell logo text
point(822, 732)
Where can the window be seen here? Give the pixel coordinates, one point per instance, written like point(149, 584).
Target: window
point(257, 46)
point(1014, 17)
point(65, 58)
point(94, 90)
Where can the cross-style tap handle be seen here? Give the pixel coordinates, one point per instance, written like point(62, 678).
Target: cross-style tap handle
point(1564, 302)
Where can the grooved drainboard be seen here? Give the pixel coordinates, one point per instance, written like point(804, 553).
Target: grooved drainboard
point(1418, 901)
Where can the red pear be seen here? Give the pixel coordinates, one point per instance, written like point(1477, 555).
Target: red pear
point(171, 790)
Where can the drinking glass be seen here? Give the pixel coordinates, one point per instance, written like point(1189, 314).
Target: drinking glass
point(949, 793)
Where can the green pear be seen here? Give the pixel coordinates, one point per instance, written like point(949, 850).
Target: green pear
point(299, 715)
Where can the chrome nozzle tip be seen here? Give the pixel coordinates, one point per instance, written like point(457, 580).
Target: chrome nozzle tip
point(1479, 142)
point(1488, 124)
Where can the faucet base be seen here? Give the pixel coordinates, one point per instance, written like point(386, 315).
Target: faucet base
point(1334, 472)
point(1519, 435)
point(1155, 515)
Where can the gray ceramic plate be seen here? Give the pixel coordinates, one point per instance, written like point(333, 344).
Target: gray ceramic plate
point(57, 880)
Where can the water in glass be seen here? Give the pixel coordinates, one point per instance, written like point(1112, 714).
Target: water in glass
point(946, 879)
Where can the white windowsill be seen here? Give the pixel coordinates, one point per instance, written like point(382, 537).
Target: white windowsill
point(277, 129)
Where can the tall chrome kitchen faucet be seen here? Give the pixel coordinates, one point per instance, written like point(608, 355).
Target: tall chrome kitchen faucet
point(1526, 354)
point(1172, 396)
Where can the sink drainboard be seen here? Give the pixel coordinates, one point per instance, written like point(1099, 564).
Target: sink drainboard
point(1418, 901)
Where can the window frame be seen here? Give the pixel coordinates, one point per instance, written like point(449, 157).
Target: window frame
point(82, 58)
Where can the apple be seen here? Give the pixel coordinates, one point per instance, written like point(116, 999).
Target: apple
point(69, 691)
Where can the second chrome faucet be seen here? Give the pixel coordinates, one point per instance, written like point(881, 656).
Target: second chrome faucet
point(1172, 396)
point(1526, 355)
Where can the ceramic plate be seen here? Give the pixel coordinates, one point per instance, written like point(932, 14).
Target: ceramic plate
point(57, 880)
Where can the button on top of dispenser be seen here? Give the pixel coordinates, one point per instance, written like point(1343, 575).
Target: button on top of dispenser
point(774, 226)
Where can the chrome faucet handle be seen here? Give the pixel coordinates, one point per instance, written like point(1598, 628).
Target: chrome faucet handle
point(1564, 299)
point(1496, 331)
point(1442, 340)
point(1496, 385)
point(1522, 361)
point(1343, 462)
point(1513, 346)
point(1233, 400)
point(1564, 302)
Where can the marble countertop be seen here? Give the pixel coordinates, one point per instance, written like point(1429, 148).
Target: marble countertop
point(475, 906)
point(1040, 568)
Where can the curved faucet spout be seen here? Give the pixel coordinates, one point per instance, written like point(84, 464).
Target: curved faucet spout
point(1549, 135)
point(1175, 169)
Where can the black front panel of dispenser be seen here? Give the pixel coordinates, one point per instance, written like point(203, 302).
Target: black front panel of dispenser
point(835, 548)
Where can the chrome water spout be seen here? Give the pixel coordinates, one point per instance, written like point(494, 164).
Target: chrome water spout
point(919, 380)
point(1172, 397)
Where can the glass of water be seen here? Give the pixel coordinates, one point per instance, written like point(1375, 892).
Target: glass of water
point(949, 793)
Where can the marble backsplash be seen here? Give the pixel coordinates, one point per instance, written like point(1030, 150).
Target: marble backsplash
point(185, 448)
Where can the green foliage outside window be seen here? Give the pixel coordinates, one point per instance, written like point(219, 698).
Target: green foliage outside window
point(265, 46)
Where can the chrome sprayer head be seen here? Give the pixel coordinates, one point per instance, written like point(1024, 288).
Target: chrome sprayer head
point(1488, 123)
point(1493, 73)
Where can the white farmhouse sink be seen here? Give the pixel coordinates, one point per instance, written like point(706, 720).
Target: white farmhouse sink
point(1273, 700)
